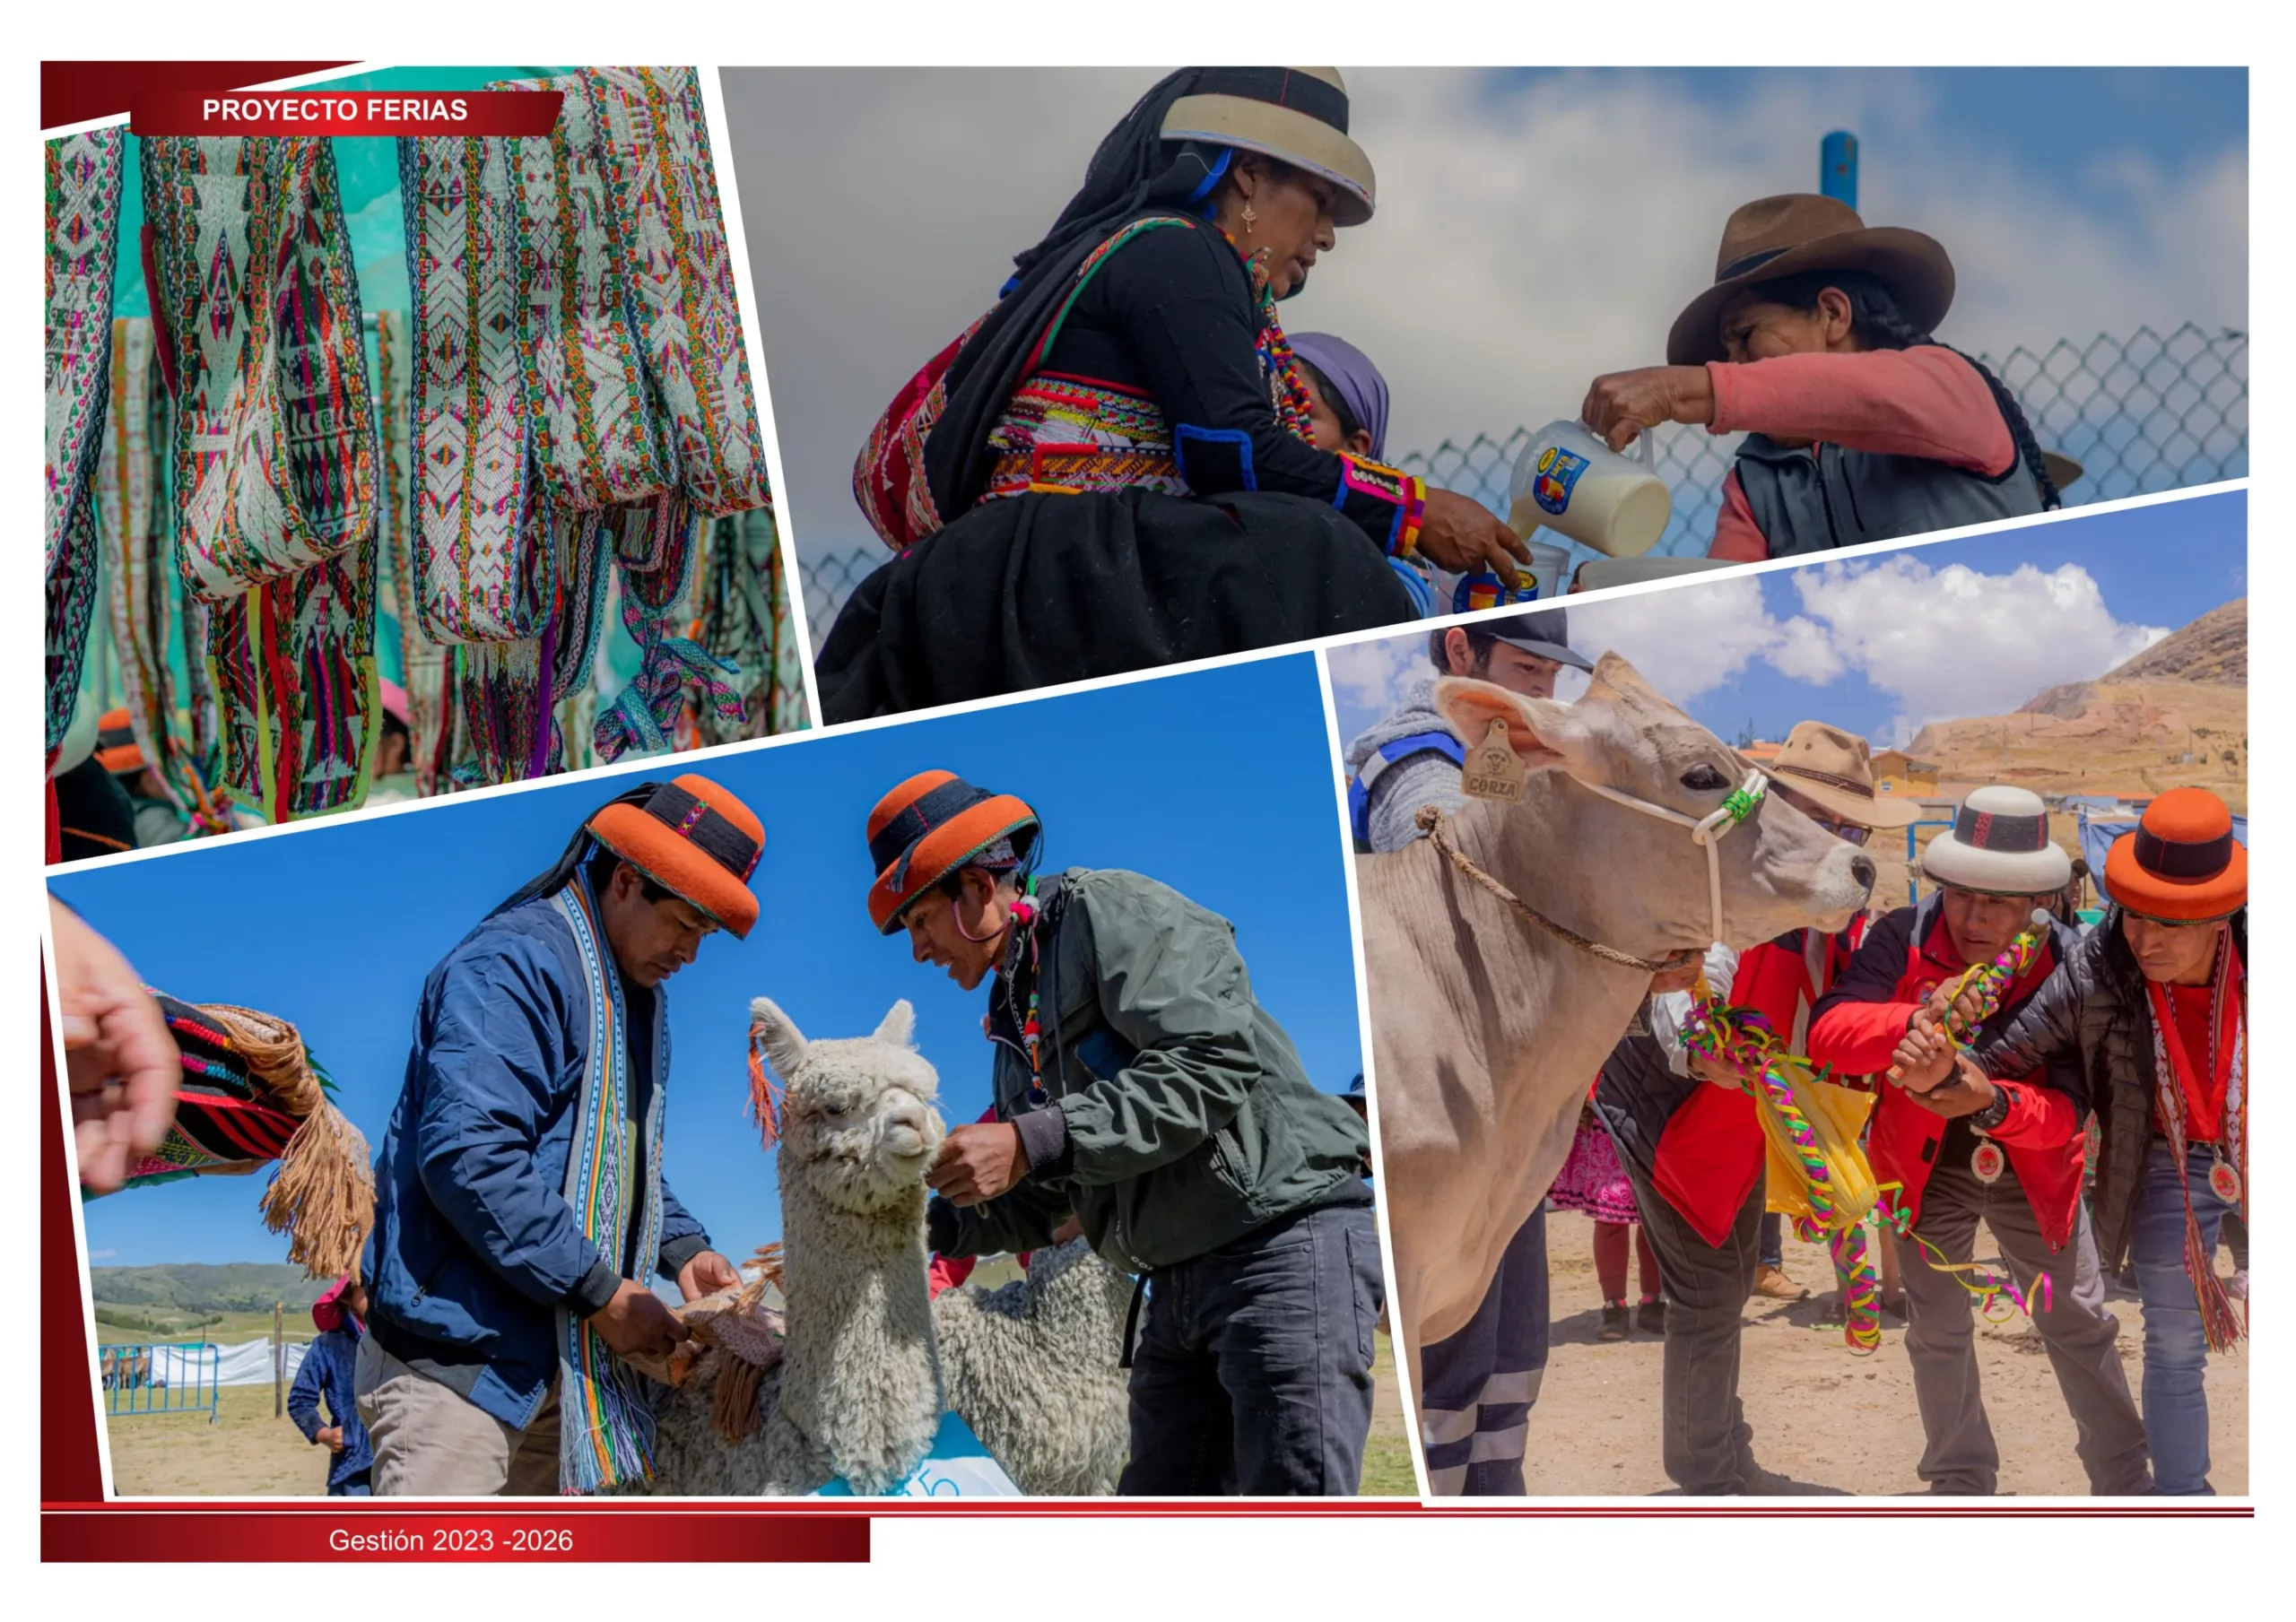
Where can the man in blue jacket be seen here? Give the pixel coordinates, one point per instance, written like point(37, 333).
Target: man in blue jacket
point(325, 1373)
point(519, 1196)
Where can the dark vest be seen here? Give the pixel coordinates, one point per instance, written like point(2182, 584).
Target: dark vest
point(1812, 499)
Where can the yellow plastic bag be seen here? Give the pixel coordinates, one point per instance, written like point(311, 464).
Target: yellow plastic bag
point(1837, 1116)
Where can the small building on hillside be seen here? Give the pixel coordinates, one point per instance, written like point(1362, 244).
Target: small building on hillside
point(1898, 775)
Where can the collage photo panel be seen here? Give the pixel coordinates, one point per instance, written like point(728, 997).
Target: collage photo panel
point(1347, 792)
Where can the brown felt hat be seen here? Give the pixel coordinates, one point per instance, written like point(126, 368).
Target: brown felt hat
point(1835, 768)
point(1802, 232)
point(695, 840)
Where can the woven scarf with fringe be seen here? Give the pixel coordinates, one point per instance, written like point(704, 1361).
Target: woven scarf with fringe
point(250, 1094)
point(654, 152)
point(606, 1424)
point(81, 249)
point(274, 466)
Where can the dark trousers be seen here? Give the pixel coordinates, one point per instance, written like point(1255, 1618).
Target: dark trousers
point(1253, 1372)
point(1477, 1385)
point(359, 1486)
point(1706, 1443)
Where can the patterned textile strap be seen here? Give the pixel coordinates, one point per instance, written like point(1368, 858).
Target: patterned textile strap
point(654, 150)
point(606, 1435)
point(81, 246)
point(597, 418)
point(129, 478)
point(275, 464)
point(422, 663)
point(644, 715)
point(481, 561)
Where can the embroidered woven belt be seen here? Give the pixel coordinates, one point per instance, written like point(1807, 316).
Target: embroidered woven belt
point(82, 248)
point(1082, 469)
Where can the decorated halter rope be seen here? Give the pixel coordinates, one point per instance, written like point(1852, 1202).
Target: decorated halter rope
point(1707, 832)
point(1742, 1040)
point(1990, 982)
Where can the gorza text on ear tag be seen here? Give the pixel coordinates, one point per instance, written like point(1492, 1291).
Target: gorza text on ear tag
point(1491, 770)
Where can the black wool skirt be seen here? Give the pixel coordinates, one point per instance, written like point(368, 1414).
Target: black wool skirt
point(1036, 590)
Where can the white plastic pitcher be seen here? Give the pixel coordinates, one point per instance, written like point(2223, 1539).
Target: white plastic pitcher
point(1569, 480)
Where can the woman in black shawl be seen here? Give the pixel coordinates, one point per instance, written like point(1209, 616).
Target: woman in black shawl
point(1112, 469)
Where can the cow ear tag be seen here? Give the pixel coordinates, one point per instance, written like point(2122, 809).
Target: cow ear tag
point(1491, 770)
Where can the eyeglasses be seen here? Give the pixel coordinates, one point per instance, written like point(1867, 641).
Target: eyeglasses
point(1850, 832)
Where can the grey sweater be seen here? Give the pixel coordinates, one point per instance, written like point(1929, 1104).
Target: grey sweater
point(1423, 779)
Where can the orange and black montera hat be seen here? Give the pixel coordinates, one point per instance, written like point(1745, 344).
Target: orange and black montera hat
point(2181, 864)
point(931, 826)
point(694, 839)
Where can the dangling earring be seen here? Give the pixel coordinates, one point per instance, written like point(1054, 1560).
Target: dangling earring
point(1250, 214)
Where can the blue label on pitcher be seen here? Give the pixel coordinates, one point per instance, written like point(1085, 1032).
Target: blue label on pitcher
point(1487, 590)
point(1559, 472)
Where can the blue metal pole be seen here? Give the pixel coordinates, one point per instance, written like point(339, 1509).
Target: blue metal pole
point(1837, 166)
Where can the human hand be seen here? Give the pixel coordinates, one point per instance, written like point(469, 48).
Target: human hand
point(1459, 533)
point(708, 1273)
point(121, 1061)
point(330, 1437)
point(1678, 979)
point(636, 1323)
point(1924, 1055)
point(1968, 1091)
point(1070, 1229)
point(1707, 1068)
point(1619, 405)
point(978, 1162)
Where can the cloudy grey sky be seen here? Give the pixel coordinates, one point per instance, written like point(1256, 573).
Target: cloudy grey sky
point(1534, 230)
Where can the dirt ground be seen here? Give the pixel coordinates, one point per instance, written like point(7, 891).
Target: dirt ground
point(1836, 1421)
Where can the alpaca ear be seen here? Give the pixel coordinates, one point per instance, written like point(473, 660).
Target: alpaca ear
point(775, 1032)
point(899, 1025)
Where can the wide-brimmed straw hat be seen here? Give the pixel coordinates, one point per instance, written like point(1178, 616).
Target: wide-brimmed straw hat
point(1297, 115)
point(2181, 864)
point(1801, 231)
point(930, 826)
point(695, 840)
point(1835, 768)
point(1999, 845)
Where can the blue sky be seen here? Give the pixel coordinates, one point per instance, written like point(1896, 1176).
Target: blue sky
point(335, 928)
point(1880, 645)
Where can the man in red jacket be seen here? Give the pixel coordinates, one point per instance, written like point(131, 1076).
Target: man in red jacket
point(2016, 1166)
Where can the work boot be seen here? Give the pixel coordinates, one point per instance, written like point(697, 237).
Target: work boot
point(1613, 1322)
point(1772, 1281)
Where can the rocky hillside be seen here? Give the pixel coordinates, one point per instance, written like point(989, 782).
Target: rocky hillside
point(2175, 714)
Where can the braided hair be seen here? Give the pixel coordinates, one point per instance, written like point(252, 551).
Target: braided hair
point(1878, 323)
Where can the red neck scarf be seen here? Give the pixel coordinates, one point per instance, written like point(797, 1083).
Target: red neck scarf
point(2177, 1078)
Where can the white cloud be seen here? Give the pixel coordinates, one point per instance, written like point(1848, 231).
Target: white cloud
point(1952, 642)
point(1688, 640)
point(102, 1256)
point(1375, 674)
point(1529, 236)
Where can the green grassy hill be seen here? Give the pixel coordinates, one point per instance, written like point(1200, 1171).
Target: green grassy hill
point(186, 1289)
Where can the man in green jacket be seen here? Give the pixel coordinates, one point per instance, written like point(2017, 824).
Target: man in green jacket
point(1141, 1088)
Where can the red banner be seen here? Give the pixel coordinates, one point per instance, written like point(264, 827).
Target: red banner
point(74, 93)
point(676, 1533)
point(319, 111)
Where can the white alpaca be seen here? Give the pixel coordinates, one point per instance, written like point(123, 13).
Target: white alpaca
point(858, 1393)
point(1032, 1367)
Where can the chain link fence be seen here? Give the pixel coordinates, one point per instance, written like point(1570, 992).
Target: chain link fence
point(2140, 413)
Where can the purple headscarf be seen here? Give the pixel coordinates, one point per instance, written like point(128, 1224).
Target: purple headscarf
point(1356, 379)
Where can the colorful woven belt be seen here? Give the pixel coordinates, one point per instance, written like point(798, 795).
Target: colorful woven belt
point(81, 246)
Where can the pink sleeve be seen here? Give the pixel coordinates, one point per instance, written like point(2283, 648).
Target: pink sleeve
point(1924, 401)
point(1737, 536)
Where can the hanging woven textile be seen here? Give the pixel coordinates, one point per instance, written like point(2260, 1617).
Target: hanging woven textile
point(251, 1094)
point(422, 663)
point(131, 519)
point(656, 548)
point(599, 427)
point(654, 150)
point(82, 248)
point(274, 464)
point(506, 692)
point(482, 567)
point(741, 619)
